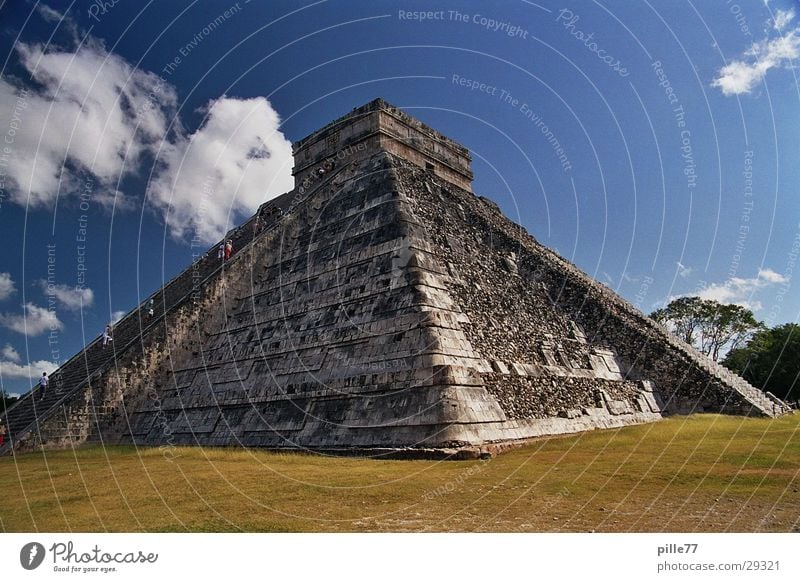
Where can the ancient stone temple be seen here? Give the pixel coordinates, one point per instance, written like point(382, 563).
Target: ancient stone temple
point(378, 308)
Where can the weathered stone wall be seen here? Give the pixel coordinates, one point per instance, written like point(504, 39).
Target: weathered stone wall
point(330, 337)
point(538, 362)
point(548, 396)
point(100, 412)
point(528, 306)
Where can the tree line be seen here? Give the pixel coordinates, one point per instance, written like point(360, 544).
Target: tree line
point(768, 358)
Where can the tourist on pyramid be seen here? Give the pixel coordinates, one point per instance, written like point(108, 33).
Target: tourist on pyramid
point(107, 335)
point(42, 385)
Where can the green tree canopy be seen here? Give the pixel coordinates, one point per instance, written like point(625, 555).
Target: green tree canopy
point(770, 361)
point(710, 326)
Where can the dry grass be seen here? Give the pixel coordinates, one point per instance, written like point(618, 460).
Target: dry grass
point(700, 473)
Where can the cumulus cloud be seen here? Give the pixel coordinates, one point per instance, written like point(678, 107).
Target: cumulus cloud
point(13, 370)
point(740, 291)
point(89, 120)
point(7, 287)
point(33, 321)
point(234, 162)
point(742, 75)
point(10, 354)
point(769, 276)
point(116, 316)
point(683, 270)
point(72, 298)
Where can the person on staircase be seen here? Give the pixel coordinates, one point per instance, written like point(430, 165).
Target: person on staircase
point(107, 335)
point(2, 433)
point(42, 385)
point(228, 249)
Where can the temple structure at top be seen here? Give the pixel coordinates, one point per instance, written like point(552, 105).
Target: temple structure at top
point(379, 126)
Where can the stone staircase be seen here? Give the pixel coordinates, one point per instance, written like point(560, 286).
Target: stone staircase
point(32, 409)
point(767, 402)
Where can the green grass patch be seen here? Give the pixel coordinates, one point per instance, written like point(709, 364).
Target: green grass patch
point(698, 473)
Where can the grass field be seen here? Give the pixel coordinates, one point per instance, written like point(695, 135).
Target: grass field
point(699, 473)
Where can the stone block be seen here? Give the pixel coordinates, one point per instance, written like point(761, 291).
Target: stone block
point(500, 367)
point(618, 407)
point(519, 369)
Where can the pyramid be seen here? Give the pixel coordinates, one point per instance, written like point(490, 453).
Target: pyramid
point(382, 308)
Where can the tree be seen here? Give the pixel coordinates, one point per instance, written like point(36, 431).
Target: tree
point(770, 361)
point(710, 326)
point(725, 327)
point(681, 317)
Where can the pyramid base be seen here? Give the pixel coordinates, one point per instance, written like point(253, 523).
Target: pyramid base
point(452, 442)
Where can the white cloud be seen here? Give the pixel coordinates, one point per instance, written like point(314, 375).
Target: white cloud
point(10, 354)
point(739, 291)
point(771, 276)
point(72, 298)
point(740, 76)
point(7, 287)
point(92, 115)
point(782, 19)
point(34, 321)
point(94, 118)
point(683, 270)
point(9, 370)
point(116, 201)
point(116, 316)
point(49, 14)
point(234, 162)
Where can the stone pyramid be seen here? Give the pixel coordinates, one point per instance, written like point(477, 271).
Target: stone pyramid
point(380, 308)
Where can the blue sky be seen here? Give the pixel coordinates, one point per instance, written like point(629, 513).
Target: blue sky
point(654, 144)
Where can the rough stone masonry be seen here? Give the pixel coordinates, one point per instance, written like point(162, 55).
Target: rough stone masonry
point(386, 309)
